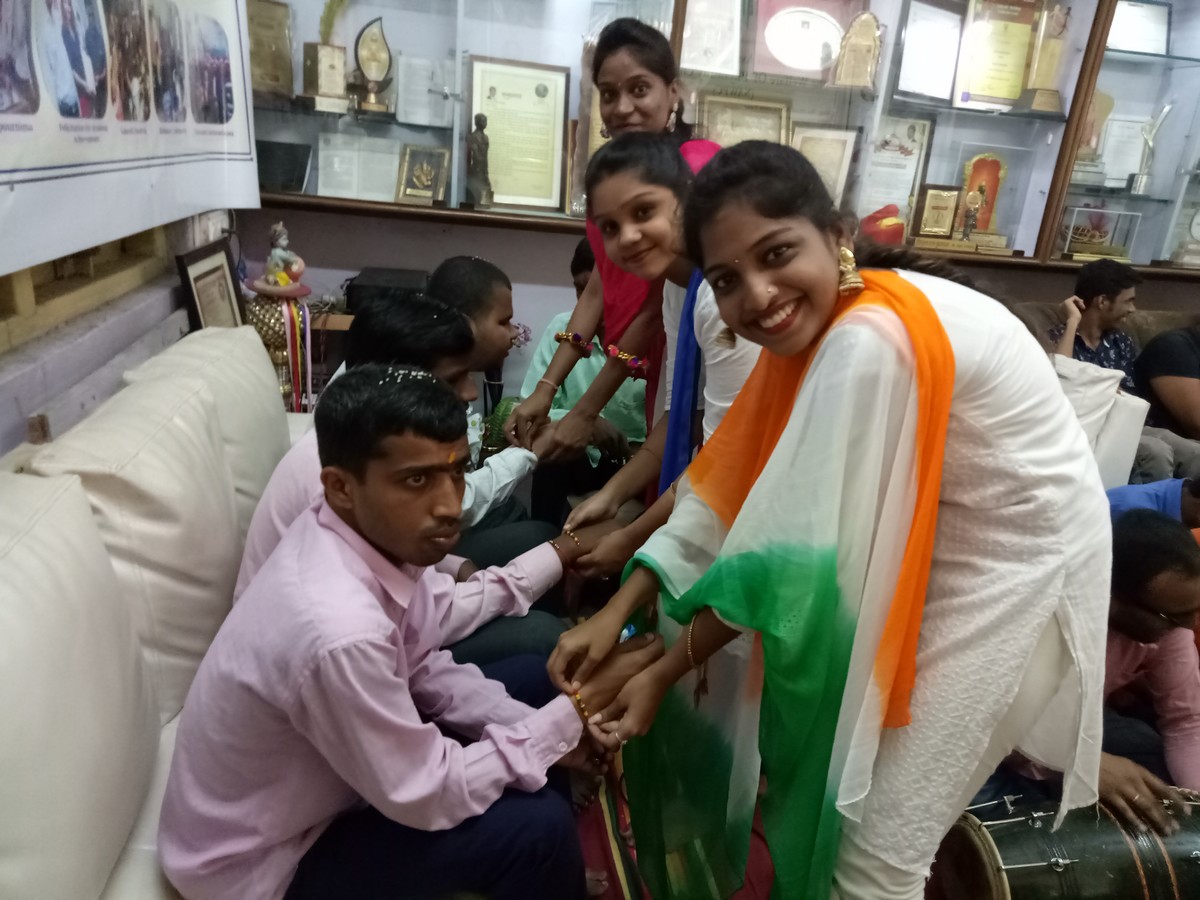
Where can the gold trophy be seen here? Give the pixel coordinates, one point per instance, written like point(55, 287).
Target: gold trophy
point(325, 66)
point(370, 79)
point(1045, 66)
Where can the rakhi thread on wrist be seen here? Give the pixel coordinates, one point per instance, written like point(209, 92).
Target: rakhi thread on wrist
point(576, 340)
point(573, 536)
point(636, 364)
point(580, 707)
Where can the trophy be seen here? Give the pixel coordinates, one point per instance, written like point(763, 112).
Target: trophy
point(1140, 183)
point(374, 58)
point(325, 66)
point(1041, 89)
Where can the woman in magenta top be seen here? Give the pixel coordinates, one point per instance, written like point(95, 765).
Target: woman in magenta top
point(634, 72)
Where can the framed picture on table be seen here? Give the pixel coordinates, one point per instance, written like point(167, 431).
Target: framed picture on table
point(209, 286)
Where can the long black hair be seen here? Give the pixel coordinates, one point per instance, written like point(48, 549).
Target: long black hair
point(778, 182)
point(651, 49)
point(651, 158)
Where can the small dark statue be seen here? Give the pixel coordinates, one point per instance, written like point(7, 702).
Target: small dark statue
point(479, 185)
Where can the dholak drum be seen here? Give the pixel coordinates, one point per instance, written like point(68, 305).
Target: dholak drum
point(1091, 857)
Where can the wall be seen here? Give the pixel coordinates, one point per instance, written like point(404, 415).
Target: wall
point(336, 246)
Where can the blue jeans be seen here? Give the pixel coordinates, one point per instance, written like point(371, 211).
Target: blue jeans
point(523, 847)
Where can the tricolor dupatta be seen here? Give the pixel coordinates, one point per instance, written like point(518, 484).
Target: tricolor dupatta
point(809, 519)
point(685, 387)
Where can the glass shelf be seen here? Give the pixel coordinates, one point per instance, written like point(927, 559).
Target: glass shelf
point(912, 103)
point(1148, 59)
point(1096, 190)
point(300, 106)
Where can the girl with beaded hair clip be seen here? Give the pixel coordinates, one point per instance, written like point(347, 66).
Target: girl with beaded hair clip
point(634, 71)
point(901, 511)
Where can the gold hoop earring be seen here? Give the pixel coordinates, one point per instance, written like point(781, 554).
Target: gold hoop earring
point(671, 118)
point(604, 132)
point(849, 281)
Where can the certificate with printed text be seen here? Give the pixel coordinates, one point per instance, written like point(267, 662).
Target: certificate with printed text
point(526, 109)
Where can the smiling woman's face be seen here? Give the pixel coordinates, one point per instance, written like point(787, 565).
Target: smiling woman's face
point(775, 280)
point(632, 98)
point(639, 222)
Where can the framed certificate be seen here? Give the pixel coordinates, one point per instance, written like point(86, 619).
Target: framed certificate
point(895, 166)
point(526, 109)
point(937, 208)
point(830, 153)
point(995, 46)
point(932, 35)
point(1122, 149)
point(712, 37)
point(1141, 26)
point(731, 120)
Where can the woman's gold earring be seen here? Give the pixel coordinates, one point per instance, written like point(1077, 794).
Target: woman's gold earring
point(849, 281)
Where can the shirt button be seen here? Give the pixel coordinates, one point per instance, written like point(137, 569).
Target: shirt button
point(562, 747)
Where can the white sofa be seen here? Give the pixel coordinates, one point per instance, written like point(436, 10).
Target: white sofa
point(119, 547)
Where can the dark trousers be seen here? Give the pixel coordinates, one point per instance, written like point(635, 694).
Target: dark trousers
point(1130, 736)
point(500, 537)
point(523, 847)
point(554, 482)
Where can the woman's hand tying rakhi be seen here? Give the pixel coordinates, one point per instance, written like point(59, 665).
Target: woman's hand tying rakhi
point(632, 713)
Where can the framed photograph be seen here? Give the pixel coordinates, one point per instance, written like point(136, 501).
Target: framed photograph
point(213, 297)
point(1141, 26)
point(830, 152)
point(423, 174)
point(937, 209)
point(731, 120)
point(712, 37)
point(526, 109)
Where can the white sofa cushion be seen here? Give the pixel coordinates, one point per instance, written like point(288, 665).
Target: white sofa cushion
point(138, 875)
point(234, 364)
point(1091, 390)
point(154, 470)
point(76, 713)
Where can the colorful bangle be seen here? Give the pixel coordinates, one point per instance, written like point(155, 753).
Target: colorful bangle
point(637, 364)
point(576, 340)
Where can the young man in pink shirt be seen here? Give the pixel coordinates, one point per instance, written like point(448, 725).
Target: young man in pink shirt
point(413, 329)
point(313, 759)
point(1151, 682)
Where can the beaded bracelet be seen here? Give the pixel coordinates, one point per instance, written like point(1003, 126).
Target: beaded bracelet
point(637, 364)
point(569, 533)
point(576, 340)
point(581, 707)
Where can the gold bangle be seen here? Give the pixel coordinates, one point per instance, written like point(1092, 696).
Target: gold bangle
point(569, 533)
point(554, 544)
point(691, 659)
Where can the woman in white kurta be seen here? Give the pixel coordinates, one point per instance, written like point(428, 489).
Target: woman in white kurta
point(903, 507)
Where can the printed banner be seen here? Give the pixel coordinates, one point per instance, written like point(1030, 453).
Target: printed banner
point(117, 116)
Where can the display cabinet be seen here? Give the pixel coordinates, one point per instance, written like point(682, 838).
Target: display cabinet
point(466, 108)
point(1135, 160)
point(1020, 131)
point(933, 123)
